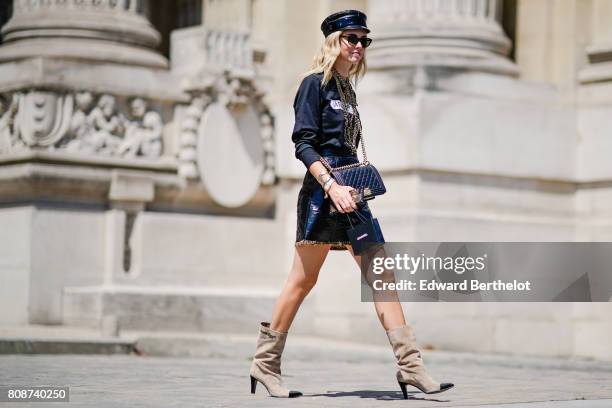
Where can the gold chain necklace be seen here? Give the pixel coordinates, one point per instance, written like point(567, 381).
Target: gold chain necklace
point(352, 122)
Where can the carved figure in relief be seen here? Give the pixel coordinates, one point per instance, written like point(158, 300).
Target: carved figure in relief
point(143, 134)
point(8, 110)
point(80, 124)
point(107, 125)
point(98, 131)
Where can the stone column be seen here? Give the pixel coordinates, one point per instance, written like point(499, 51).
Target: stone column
point(81, 81)
point(92, 30)
point(462, 34)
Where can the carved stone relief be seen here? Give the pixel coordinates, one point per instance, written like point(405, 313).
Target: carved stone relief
point(81, 122)
point(8, 111)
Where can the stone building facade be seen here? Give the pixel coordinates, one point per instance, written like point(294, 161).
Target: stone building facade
point(146, 168)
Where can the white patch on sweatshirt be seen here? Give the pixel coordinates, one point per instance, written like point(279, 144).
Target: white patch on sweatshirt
point(337, 104)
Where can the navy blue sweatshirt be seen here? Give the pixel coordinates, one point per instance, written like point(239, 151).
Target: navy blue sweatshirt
point(319, 121)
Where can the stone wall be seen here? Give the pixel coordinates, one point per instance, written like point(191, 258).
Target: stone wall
point(163, 191)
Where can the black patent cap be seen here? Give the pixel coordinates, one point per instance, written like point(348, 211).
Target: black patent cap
point(344, 20)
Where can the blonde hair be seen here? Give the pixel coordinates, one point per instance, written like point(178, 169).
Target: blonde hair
point(325, 59)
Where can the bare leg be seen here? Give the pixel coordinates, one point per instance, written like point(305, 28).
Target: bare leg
point(307, 262)
point(401, 337)
point(390, 313)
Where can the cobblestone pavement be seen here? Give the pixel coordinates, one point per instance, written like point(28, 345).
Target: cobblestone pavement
point(145, 381)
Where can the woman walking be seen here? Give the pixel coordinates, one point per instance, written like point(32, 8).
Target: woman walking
point(328, 127)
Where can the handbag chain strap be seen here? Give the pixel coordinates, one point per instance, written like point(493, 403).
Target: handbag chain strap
point(365, 157)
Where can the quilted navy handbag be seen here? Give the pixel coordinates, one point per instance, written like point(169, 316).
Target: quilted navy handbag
point(363, 177)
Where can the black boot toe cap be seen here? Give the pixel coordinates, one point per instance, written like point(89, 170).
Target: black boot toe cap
point(293, 394)
point(446, 386)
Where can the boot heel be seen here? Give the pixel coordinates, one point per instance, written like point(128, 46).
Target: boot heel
point(404, 391)
point(267, 361)
point(410, 363)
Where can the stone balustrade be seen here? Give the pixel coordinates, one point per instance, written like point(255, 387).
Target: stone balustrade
point(230, 49)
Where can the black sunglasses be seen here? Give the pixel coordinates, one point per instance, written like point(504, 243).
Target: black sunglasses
point(353, 39)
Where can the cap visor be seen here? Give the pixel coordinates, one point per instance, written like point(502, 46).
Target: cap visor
point(355, 27)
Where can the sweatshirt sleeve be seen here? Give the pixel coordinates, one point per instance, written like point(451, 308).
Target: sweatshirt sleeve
point(307, 120)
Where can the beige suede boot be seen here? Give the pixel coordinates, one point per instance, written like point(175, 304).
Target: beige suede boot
point(411, 370)
point(266, 366)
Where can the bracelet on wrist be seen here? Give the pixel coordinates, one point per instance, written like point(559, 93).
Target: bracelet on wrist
point(321, 175)
point(328, 184)
point(323, 180)
point(327, 188)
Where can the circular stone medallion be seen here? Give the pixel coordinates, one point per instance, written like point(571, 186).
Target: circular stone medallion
point(230, 154)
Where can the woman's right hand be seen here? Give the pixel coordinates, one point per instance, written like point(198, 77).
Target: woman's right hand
point(342, 198)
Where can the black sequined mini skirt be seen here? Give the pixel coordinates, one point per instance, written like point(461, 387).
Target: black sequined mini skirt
point(315, 224)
